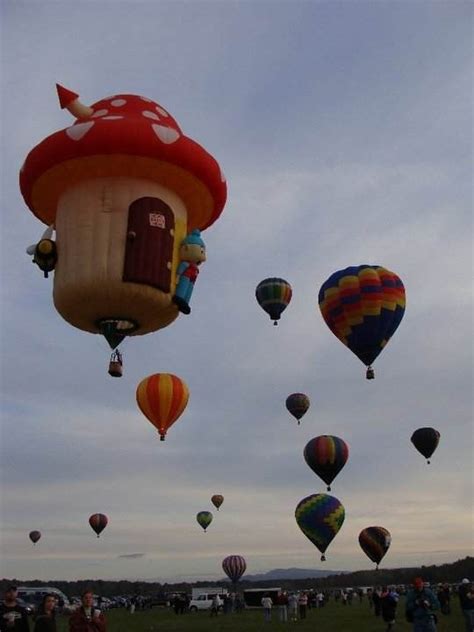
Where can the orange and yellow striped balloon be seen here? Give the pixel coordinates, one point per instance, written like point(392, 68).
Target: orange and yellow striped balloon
point(162, 397)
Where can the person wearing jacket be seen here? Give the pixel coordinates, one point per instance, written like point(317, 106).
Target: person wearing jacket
point(466, 599)
point(45, 619)
point(87, 618)
point(420, 606)
point(388, 604)
point(13, 617)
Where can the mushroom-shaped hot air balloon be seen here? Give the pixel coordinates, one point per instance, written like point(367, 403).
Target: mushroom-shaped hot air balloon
point(162, 397)
point(204, 519)
point(425, 441)
point(297, 404)
point(122, 187)
point(234, 566)
point(326, 456)
point(273, 295)
point(320, 516)
point(375, 542)
point(34, 536)
point(98, 522)
point(363, 306)
point(217, 500)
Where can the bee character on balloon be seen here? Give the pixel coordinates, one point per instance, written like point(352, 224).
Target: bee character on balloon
point(192, 253)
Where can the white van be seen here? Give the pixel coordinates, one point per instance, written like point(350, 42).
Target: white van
point(203, 601)
point(33, 596)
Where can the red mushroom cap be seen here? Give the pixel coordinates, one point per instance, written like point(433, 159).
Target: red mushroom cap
point(127, 135)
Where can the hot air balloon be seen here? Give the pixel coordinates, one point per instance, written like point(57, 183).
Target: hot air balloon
point(375, 542)
point(297, 404)
point(98, 522)
point(273, 296)
point(122, 187)
point(162, 397)
point(326, 456)
point(426, 441)
point(217, 500)
point(363, 306)
point(234, 566)
point(34, 536)
point(204, 519)
point(320, 516)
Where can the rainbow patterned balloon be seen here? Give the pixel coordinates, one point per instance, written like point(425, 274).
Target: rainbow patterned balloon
point(320, 517)
point(326, 456)
point(363, 306)
point(273, 295)
point(234, 566)
point(375, 542)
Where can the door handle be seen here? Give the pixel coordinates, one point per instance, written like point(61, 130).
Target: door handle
point(131, 235)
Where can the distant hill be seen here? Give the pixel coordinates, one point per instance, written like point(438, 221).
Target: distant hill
point(290, 573)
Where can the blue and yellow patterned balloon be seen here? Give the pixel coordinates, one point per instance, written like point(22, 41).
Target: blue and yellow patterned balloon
point(273, 295)
point(320, 517)
point(363, 306)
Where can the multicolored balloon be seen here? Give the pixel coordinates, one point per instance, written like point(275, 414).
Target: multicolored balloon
point(320, 517)
point(297, 404)
point(234, 566)
point(217, 500)
point(273, 296)
point(326, 456)
point(98, 522)
point(363, 306)
point(204, 519)
point(162, 398)
point(34, 536)
point(425, 441)
point(375, 542)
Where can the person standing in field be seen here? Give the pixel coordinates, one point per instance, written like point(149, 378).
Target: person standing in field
point(293, 606)
point(420, 606)
point(303, 604)
point(215, 605)
point(13, 617)
point(282, 603)
point(466, 599)
point(444, 598)
point(87, 618)
point(388, 605)
point(45, 619)
point(267, 607)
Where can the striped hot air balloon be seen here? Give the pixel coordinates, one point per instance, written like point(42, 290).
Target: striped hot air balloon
point(34, 536)
point(98, 522)
point(375, 542)
point(363, 306)
point(320, 517)
point(162, 397)
point(217, 500)
point(204, 519)
point(234, 566)
point(297, 404)
point(326, 456)
point(273, 295)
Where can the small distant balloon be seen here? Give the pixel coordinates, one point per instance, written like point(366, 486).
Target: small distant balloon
point(217, 500)
point(326, 456)
point(35, 536)
point(375, 542)
point(234, 566)
point(426, 441)
point(98, 522)
point(273, 295)
point(204, 519)
point(297, 404)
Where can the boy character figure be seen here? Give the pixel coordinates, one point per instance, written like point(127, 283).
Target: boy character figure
point(192, 253)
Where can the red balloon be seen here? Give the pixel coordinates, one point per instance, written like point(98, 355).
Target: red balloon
point(98, 522)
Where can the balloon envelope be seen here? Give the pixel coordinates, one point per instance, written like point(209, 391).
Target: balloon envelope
point(375, 542)
point(326, 456)
point(162, 398)
point(425, 441)
point(320, 516)
point(273, 296)
point(35, 536)
point(217, 500)
point(234, 566)
point(297, 404)
point(204, 518)
point(98, 522)
point(363, 306)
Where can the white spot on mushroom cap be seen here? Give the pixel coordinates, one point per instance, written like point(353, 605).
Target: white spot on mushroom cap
point(76, 132)
point(118, 102)
point(161, 111)
point(99, 113)
point(151, 115)
point(167, 135)
point(112, 118)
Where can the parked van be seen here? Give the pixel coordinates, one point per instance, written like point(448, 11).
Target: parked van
point(33, 596)
point(203, 601)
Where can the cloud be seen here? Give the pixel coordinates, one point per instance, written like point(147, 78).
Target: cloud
point(131, 556)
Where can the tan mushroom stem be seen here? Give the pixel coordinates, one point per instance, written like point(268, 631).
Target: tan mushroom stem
point(91, 236)
point(79, 110)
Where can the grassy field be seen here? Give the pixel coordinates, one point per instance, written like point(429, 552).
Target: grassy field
point(332, 618)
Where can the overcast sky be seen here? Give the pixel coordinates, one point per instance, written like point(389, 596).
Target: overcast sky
point(344, 130)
